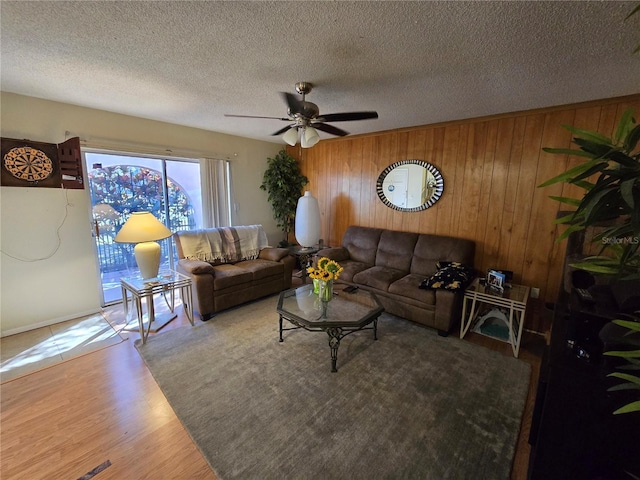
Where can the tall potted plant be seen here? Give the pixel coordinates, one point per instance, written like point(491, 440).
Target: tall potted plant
point(610, 177)
point(283, 182)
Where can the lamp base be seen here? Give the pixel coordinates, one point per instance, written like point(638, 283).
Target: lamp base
point(148, 259)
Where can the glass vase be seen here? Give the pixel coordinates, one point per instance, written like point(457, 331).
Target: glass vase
point(325, 294)
point(325, 291)
point(316, 286)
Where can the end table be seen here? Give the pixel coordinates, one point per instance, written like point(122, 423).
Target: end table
point(304, 257)
point(513, 299)
point(167, 282)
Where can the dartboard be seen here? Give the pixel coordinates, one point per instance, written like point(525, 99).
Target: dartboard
point(28, 164)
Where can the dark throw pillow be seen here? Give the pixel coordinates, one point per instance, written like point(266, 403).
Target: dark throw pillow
point(452, 276)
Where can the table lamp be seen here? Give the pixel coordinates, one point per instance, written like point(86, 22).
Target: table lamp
point(143, 229)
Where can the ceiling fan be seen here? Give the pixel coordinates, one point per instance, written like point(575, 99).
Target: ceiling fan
point(306, 119)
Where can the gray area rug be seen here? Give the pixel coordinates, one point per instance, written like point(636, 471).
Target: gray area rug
point(409, 405)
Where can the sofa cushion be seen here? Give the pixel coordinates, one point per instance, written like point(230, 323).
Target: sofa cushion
point(350, 269)
point(395, 250)
point(432, 248)
point(362, 243)
point(273, 254)
point(378, 277)
point(261, 268)
point(452, 276)
point(228, 275)
point(406, 287)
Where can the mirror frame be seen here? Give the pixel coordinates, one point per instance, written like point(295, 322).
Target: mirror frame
point(439, 187)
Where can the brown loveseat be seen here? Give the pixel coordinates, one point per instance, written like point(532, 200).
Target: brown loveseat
point(231, 265)
point(393, 265)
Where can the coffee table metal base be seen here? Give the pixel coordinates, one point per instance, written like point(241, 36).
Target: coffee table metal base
point(336, 334)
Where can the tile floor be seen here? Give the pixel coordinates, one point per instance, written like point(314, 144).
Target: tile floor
point(40, 348)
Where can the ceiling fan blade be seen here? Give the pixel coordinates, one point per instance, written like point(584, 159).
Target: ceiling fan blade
point(329, 129)
point(348, 116)
point(257, 116)
point(284, 129)
point(295, 105)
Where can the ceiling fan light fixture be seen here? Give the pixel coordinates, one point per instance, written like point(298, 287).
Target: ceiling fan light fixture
point(291, 136)
point(309, 137)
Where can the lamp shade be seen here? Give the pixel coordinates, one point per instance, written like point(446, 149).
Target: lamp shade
point(291, 136)
point(143, 229)
point(309, 137)
point(307, 220)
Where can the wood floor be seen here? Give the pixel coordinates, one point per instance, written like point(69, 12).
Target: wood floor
point(64, 421)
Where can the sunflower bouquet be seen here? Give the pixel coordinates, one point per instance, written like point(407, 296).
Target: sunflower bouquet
point(323, 275)
point(326, 270)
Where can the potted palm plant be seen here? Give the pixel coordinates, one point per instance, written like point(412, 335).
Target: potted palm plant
point(610, 178)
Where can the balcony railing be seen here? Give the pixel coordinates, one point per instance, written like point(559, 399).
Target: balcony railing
point(115, 257)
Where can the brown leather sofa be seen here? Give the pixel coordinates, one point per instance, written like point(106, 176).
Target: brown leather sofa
point(220, 284)
point(393, 264)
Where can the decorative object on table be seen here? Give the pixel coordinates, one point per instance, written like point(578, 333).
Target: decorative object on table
point(283, 182)
point(325, 273)
point(496, 281)
point(143, 229)
point(325, 290)
point(307, 223)
point(453, 276)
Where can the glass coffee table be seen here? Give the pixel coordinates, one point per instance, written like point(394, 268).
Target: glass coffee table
point(345, 314)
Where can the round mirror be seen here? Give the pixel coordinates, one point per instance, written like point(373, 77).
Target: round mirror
point(410, 185)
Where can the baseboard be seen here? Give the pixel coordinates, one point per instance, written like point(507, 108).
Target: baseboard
point(33, 326)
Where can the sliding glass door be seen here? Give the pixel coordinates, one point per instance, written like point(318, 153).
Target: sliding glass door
point(120, 184)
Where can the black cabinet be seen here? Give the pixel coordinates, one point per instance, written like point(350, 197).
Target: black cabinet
point(574, 433)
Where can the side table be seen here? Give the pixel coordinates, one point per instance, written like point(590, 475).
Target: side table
point(304, 257)
point(166, 283)
point(513, 299)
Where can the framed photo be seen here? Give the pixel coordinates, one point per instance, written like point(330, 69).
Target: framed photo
point(496, 280)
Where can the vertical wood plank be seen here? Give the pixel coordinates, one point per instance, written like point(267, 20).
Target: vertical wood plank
point(493, 239)
point(541, 264)
point(522, 209)
point(486, 202)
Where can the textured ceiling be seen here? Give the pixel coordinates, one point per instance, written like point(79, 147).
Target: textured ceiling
point(415, 63)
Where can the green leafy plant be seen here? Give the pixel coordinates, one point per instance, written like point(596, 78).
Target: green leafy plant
point(610, 177)
point(614, 197)
point(283, 182)
point(632, 382)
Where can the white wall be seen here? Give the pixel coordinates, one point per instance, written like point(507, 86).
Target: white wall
point(44, 291)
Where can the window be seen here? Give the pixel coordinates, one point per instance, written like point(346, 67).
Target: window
point(120, 184)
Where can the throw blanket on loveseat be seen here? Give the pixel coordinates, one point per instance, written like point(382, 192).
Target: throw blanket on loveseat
point(224, 244)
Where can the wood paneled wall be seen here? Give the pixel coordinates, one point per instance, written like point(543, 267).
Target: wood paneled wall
point(491, 168)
